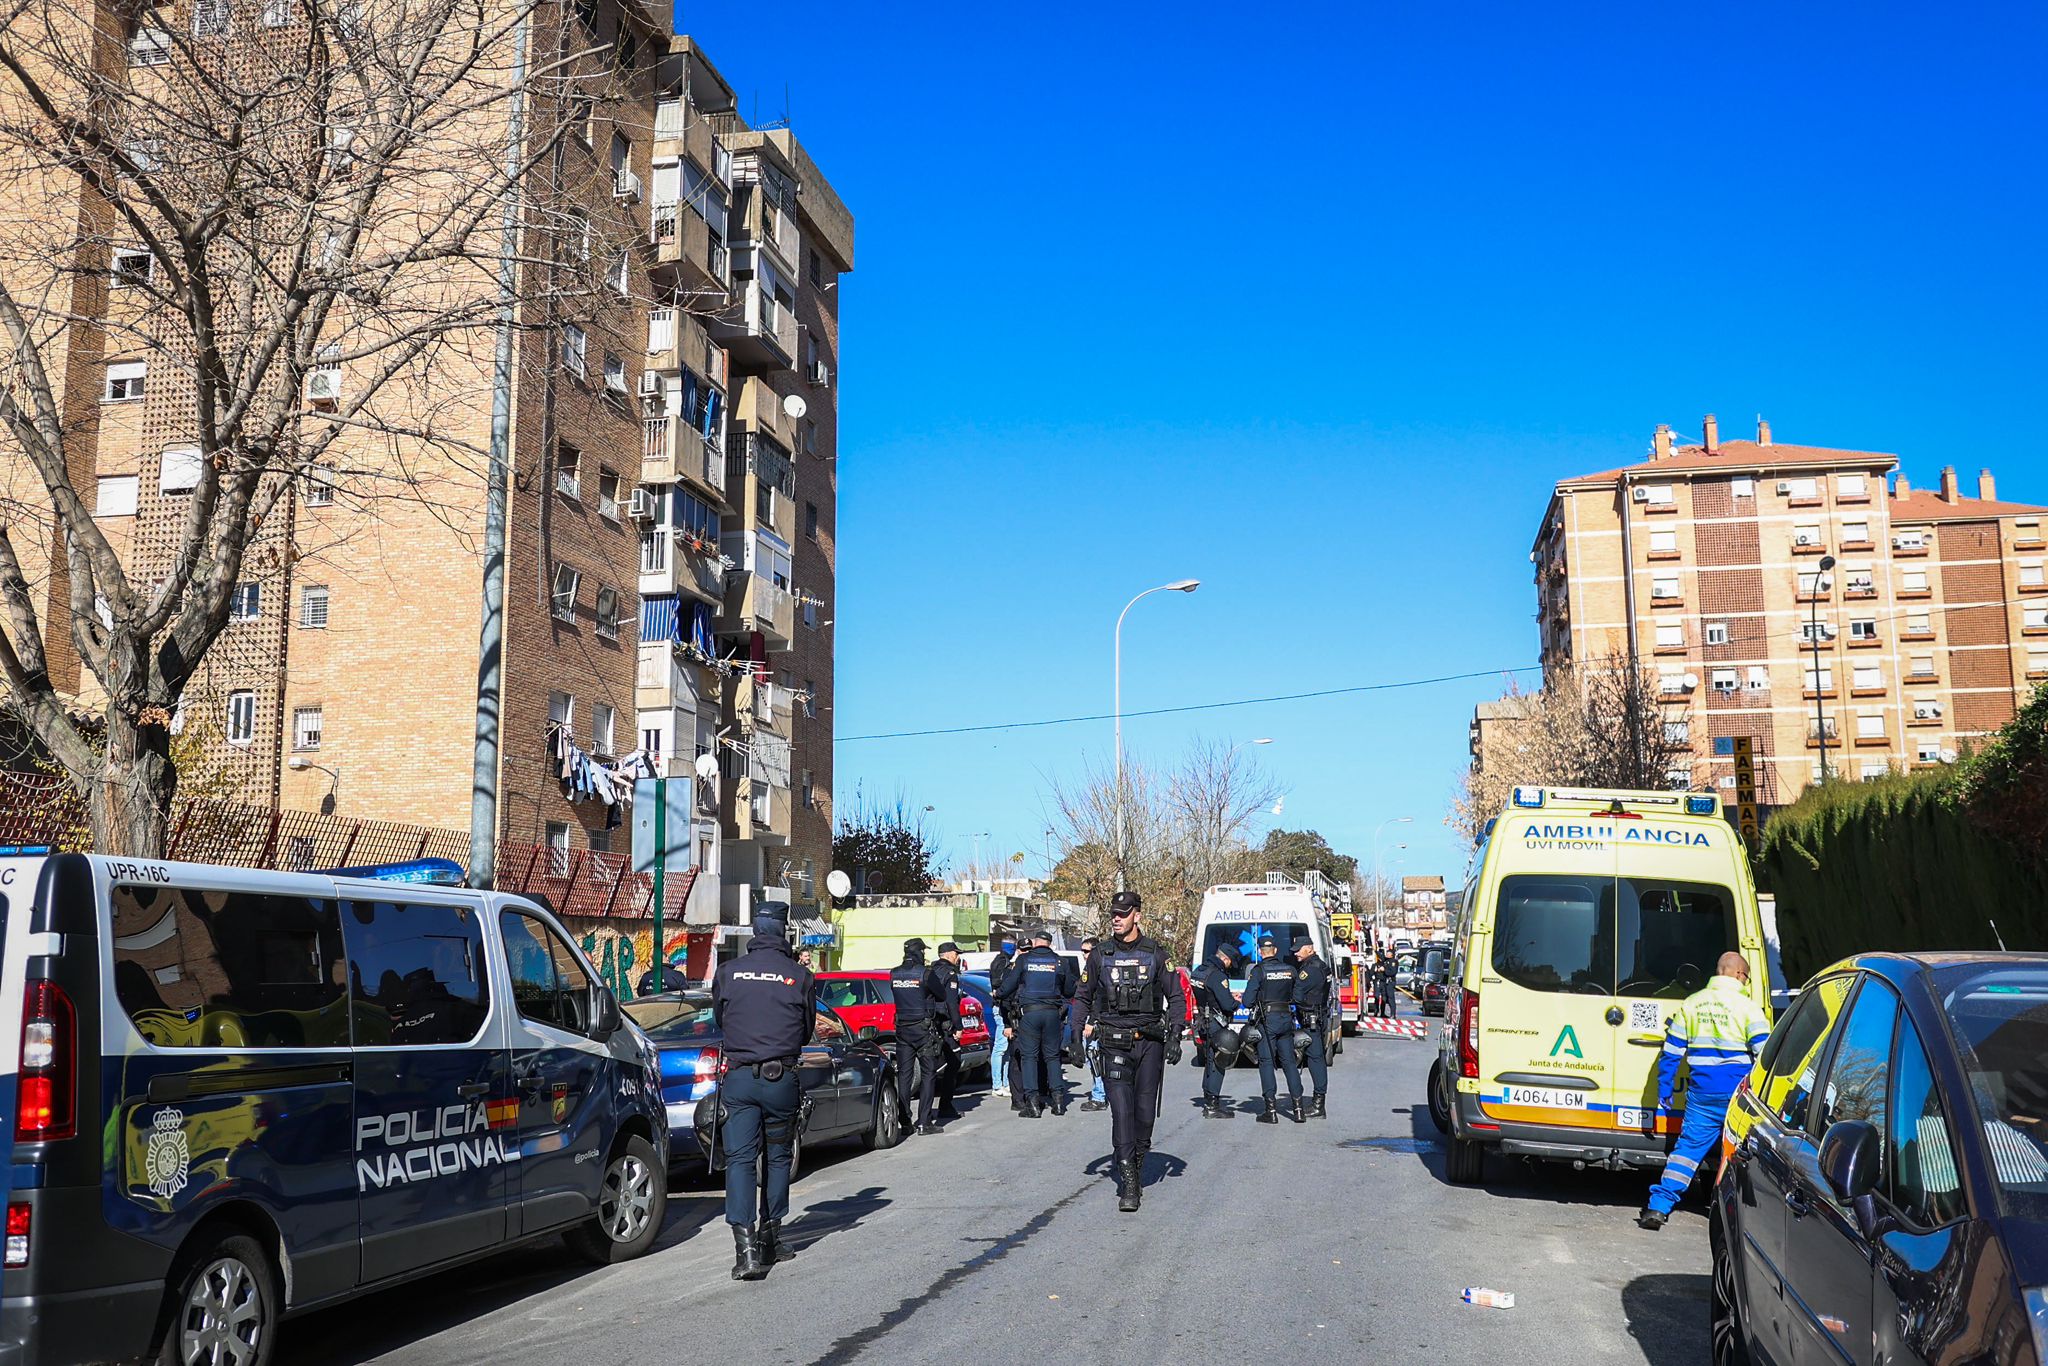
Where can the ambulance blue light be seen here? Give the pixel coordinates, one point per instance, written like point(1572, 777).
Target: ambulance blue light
point(1699, 806)
point(1529, 797)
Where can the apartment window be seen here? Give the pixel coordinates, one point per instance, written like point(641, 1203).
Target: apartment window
point(1807, 535)
point(1820, 678)
point(573, 344)
point(1670, 637)
point(245, 602)
point(579, 233)
point(603, 724)
point(619, 276)
point(1816, 629)
point(614, 375)
point(145, 154)
point(313, 607)
point(2027, 529)
point(562, 710)
point(125, 380)
point(2037, 659)
point(1919, 623)
point(319, 487)
point(810, 614)
point(1659, 495)
point(1869, 725)
point(651, 738)
point(817, 268)
point(1913, 581)
point(1759, 678)
point(1920, 666)
point(568, 470)
point(1861, 582)
point(1866, 676)
point(810, 697)
point(557, 838)
point(1663, 543)
point(277, 13)
point(306, 727)
point(808, 439)
point(1910, 540)
point(1724, 680)
point(1863, 628)
point(567, 581)
point(1927, 749)
point(2031, 575)
point(1855, 533)
point(1744, 488)
point(608, 488)
point(131, 269)
point(661, 330)
point(1678, 733)
point(209, 18)
point(1852, 486)
point(1802, 488)
point(1664, 586)
point(116, 495)
point(241, 717)
point(1670, 678)
point(804, 788)
point(151, 46)
point(1812, 582)
point(2034, 618)
point(621, 155)
point(608, 612)
point(811, 525)
point(1870, 770)
point(1716, 633)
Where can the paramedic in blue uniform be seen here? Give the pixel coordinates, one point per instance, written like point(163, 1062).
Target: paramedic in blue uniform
point(1714, 1037)
point(762, 1003)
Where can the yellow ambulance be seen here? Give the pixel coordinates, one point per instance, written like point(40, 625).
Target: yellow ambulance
point(1589, 916)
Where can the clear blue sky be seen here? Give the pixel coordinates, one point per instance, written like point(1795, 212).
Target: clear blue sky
point(1316, 304)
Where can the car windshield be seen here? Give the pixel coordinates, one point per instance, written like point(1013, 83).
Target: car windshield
point(2000, 1018)
point(673, 1020)
point(840, 993)
point(1609, 936)
point(1244, 939)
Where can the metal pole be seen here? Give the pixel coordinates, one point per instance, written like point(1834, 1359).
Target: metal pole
point(490, 668)
point(1379, 901)
point(1183, 586)
point(660, 869)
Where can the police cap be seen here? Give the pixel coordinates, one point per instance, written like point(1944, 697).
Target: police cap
point(915, 946)
point(767, 926)
point(1227, 954)
point(1040, 934)
point(1126, 901)
point(1266, 939)
point(948, 947)
point(1301, 941)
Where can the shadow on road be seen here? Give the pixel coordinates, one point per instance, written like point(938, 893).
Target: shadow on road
point(1158, 1167)
point(820, 1221)
point(1667, 1316)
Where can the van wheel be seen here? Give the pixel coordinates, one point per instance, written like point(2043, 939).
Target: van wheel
point(1467, 1164)
point(225, 1307)
point(887, 1130)
point(630, 1205)
point(1439, 1101)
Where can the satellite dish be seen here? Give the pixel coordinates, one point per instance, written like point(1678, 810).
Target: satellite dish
point(1692, 681)
point(838, 883)
point(706, 766)
point(795, 406)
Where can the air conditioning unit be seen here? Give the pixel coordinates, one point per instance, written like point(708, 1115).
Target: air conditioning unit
point(640, 506)
point(1948, 756)
point(626, 186)
point(650, 384)
point(1804, 540)
point(1639, 495)
point(1927, 711)
point(323, 386)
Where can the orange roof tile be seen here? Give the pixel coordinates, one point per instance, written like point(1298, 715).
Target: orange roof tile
point(1927, 505)
point(1739, 455)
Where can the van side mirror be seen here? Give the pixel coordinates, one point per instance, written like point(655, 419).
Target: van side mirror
point(1850, 1152)
point(608, 1022)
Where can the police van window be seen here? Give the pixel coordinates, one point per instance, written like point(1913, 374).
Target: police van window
point(1671, 935)
point(1919, 1155)
point(1856, 1084)
point(541, 988)
point(214, 969)
point(416, 971)
point(1556, 933)
point(576, 987)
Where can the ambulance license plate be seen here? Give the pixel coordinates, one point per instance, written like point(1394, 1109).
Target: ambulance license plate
point(1546, 1098)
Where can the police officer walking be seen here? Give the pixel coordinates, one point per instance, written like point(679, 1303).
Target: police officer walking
point(942, 989)
point(1035, 997)
point(762, 1002)
point(1311, 1013)
point(1135, 1011)
point(919, 1044)
point(1714, 1036)
point(1215, 1014)
point(1269, 996)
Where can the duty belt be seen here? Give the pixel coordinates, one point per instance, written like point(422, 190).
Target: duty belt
point(772, 1069)
point(1041, 1005)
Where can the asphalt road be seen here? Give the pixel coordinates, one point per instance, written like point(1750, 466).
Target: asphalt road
point(999, 1242)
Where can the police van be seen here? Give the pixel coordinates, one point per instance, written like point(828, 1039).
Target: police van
point(243, 1094)
point(1590, 915)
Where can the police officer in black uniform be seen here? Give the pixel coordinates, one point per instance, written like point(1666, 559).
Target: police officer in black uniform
point(1312, 1013)
point(919, 1043)
point(1269, 996)
point(1135, 1011)
point(1035, 997)
point(942, 992)
point(762, 1003)
point(1215, 1016)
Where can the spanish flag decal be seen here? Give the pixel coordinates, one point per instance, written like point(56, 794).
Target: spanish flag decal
point(502, 1114)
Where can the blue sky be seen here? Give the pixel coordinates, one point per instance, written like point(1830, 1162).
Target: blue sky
point(1316, 308)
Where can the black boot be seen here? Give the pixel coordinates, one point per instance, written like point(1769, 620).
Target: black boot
point(1093, 1104)
point(1127, 1187)
point(1271, 1114)
point(1030, 1107)
point(746, 1259)
point(768, 1237)
point(1317, 1109)
point(1212, 1108)
point(1300, 1115)
point(1058, 1103)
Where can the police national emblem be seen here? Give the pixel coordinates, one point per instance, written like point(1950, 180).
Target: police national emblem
point(168, 1162)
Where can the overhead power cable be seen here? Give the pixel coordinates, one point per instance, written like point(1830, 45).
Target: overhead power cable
point(1197, 706)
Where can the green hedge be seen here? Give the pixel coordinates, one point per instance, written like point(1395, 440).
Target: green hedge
point(1902, 863)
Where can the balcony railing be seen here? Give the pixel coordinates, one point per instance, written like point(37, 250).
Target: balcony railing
point(654, 447)
point(668, 118)
point(654, 550)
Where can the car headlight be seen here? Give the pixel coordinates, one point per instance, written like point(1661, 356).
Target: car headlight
point(2037, 1315)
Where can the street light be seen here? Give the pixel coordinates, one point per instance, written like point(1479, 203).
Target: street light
point(1378, 901)
point(298, 763)
point(1178, 586)
point(1820, 720)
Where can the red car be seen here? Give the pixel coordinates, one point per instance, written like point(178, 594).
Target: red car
point(862, 1000)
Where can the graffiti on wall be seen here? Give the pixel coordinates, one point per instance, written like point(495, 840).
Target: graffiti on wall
point(622, 951)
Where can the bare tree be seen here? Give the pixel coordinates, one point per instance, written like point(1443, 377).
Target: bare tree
point(247, 204)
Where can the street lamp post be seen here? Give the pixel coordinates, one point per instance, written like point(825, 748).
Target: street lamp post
point(1379, 907)
point(1178, 586)
point(1820, 721)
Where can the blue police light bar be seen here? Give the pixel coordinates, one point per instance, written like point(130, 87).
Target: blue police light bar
point(1699, 806)
point(438, 872)
point(1529, 797)
point(25, 850)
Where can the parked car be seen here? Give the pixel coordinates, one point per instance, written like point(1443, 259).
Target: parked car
point(861, 997)
point(845, 1078)
point(1435, 992)
point(1883, 1193)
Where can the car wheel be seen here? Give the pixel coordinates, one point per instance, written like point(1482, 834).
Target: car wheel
point(1467, 1163)
point(225, 1307)
point(887, 1130)
point(630, 1203)
point(1439, 1101)
point(1729, 1342)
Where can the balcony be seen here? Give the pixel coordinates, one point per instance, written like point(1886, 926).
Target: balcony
point(770, 704)
point(679, 128)
point(673, 561)
point(1813, 734)
point(683, 239)
point(753, 603)
point(759, 332)
point(671, 450)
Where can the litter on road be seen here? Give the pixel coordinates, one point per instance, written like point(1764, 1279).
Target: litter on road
point(1489, 1299)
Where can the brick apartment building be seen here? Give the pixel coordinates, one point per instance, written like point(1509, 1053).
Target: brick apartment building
point(670, 546)
point(1423, 905)
point(1703, 563)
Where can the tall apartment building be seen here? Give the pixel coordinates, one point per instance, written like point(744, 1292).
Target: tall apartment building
point(1703, 564)
point(670, 547)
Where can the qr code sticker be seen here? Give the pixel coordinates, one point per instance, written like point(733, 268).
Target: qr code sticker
point(1645, 1015)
